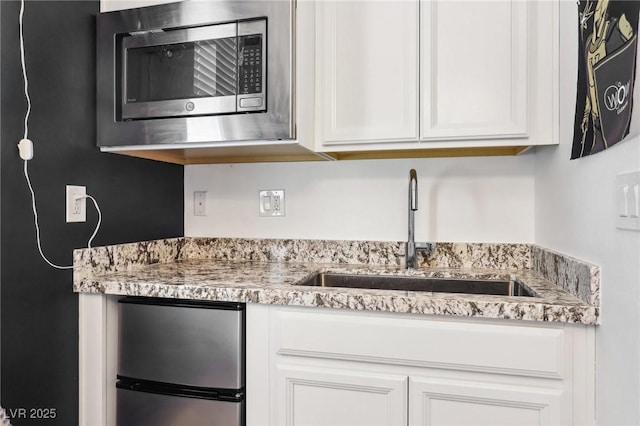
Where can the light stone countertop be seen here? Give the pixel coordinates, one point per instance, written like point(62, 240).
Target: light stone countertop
point(167, 268)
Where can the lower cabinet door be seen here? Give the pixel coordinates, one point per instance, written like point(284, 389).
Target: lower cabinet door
point(437, 402)
point(323, 397)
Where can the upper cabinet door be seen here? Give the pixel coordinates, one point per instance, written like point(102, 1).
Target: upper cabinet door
point(474, 69)
point(367, 65)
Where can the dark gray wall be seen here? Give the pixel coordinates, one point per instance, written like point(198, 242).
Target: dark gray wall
point(140, 200)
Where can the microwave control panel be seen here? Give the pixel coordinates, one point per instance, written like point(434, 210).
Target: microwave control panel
point(250, 65)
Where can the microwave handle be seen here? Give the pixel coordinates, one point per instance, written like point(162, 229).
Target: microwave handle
point(159, 37)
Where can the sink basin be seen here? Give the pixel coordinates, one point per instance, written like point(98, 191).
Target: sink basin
point(439, 285)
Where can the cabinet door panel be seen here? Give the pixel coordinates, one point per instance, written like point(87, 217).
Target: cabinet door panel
point(367, 82)
point(435, 402)
point(324, 397)
point(474, 69)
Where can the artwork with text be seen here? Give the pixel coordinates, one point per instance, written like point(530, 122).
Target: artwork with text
point(608, 31)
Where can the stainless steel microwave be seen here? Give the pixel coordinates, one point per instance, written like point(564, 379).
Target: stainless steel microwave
point(197, 71)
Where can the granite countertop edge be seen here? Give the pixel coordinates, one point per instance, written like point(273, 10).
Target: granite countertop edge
point(278, 283)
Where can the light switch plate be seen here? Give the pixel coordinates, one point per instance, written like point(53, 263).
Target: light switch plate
point(200, 203)
point(627, 201)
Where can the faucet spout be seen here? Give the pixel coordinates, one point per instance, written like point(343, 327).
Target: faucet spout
point(411, 246)
point(413, 190)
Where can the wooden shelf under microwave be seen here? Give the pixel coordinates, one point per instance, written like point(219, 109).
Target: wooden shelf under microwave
point(291, 153)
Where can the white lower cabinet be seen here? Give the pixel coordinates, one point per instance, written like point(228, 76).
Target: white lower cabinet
point(308, 395)
point(445, 402)
point(315, 366)
point(324, 397)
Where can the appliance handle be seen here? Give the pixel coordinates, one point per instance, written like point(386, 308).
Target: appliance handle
point(160, 388)
point(160, 37)
point(183, 303)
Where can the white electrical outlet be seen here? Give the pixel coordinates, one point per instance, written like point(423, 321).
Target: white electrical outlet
point(200, 203)
point(272, 203)
point(75, 207)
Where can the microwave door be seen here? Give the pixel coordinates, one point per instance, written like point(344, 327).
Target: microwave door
point(180, 72)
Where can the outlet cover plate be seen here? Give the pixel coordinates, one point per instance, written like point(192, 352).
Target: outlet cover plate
point(272, 203)
point(76, 210)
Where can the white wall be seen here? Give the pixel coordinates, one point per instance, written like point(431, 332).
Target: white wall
point(575, 214)
point(465, 199)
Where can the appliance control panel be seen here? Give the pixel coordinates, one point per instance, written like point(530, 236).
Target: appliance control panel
point(250, 64)
point(252, 39)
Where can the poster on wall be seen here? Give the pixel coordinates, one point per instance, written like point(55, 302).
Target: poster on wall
point(607, 67)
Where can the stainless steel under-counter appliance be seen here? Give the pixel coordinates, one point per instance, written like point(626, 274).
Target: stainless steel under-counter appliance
point(196, 72)
point(180, 363)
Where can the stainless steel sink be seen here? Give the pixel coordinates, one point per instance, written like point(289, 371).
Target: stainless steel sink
point(439, 285)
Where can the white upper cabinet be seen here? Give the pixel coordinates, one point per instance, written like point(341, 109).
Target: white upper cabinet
point(367, 71)
point(476, 73)
point(474, 69)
